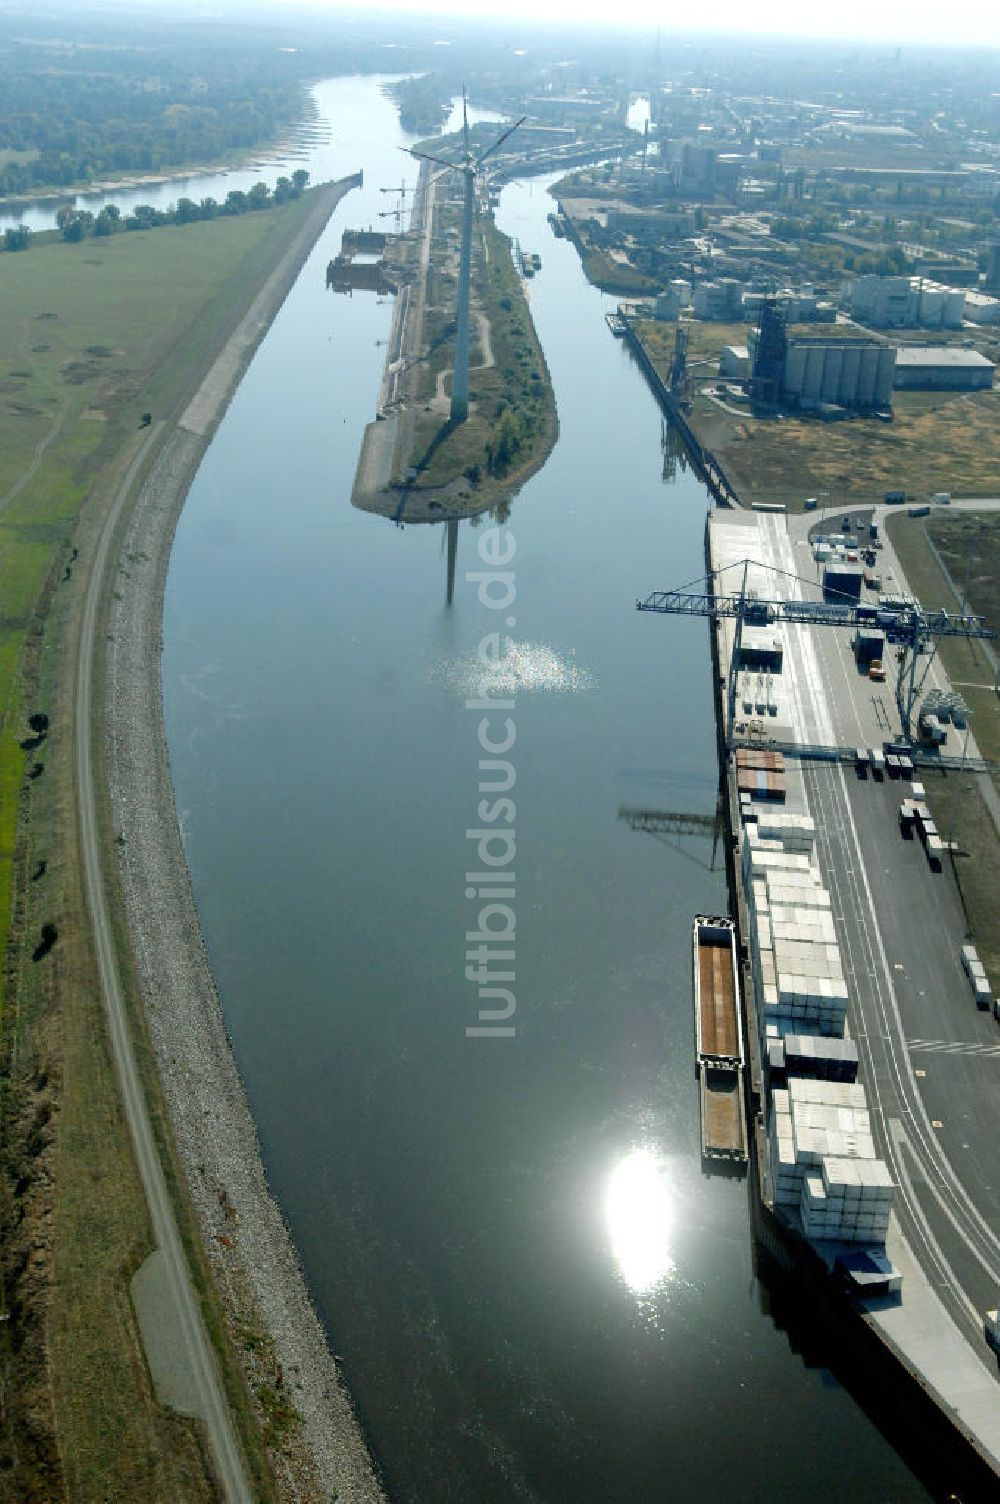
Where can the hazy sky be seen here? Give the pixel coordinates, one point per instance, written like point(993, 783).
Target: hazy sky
point(973, 23)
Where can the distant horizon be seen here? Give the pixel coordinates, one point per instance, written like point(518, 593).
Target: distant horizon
point(965, 24)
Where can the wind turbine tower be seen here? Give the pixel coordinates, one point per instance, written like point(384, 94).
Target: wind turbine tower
point(471, 168)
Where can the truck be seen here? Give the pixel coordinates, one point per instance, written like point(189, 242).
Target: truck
point(918, 511)
point(878, 762)
point(895, 498)
point(876, 671)
point(873, 529)
point(942, 498)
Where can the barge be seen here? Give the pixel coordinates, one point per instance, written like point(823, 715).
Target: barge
point(719, 1039)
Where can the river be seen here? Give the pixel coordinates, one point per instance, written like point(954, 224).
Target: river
point(535, 1291)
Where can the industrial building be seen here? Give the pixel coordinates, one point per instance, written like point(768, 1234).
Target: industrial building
point(649, 224)
point(981, 308)
point(734, 362)
point(937, 368)
point(722, 300)
point(800, 305)
point(905, 303)
point(855, 373)
point(992, 279)
point(696, 168)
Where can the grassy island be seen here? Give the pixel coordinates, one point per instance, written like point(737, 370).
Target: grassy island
point(416, 465)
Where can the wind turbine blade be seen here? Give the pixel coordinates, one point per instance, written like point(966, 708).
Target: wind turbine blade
point(500, 140)
point(411, 151)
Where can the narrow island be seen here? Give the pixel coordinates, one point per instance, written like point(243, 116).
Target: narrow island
point(419, 463)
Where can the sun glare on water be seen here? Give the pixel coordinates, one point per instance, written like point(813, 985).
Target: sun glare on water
point(640, 1218)
point(520, 668)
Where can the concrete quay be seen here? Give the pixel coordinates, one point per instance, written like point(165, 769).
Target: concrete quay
point(929, 1061)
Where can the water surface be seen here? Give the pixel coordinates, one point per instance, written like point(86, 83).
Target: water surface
point(535, 1291)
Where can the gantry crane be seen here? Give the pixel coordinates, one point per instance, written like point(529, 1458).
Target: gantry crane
point(906, 623)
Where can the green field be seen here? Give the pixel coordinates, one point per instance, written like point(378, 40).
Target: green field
point(964, 540)
point(92, 336)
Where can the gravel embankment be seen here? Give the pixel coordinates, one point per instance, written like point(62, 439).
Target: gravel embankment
point(271, 1317)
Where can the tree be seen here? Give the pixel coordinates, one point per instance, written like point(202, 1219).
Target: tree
point(300, 178)
point(16, 238)
point(186, 211)
point(108, 222)
point(258, 197)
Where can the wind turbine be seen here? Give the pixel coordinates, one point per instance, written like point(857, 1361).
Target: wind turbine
point(470, 168)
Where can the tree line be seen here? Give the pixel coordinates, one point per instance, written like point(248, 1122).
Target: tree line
point(76, 224)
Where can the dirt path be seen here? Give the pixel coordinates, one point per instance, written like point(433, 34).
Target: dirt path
point(205, 1396)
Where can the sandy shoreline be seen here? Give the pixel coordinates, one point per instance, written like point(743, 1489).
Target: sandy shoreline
point(270, 1315)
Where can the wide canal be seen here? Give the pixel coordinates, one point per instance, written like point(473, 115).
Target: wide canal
point(535, 1291)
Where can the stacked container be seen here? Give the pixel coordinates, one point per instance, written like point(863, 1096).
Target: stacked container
point(850, 1201)
point(823, 1161)
point(821, 1059)
point(793, 832)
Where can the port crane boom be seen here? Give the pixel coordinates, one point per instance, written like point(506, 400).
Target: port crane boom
point(905, 622)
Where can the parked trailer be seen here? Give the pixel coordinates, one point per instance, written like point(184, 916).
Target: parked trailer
point(969, 957)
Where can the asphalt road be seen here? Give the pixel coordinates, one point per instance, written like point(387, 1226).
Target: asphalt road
point(900, 927)
point(208, 1398)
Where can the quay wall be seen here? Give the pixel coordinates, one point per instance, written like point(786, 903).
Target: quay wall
point(819, 1318)
point(704, 461)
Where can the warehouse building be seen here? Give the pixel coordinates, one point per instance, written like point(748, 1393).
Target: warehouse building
point(936, 368)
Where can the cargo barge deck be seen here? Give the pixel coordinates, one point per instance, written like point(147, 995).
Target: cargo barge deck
point(719, 1039)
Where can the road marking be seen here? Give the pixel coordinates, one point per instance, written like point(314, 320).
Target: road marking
point(952, 1047)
